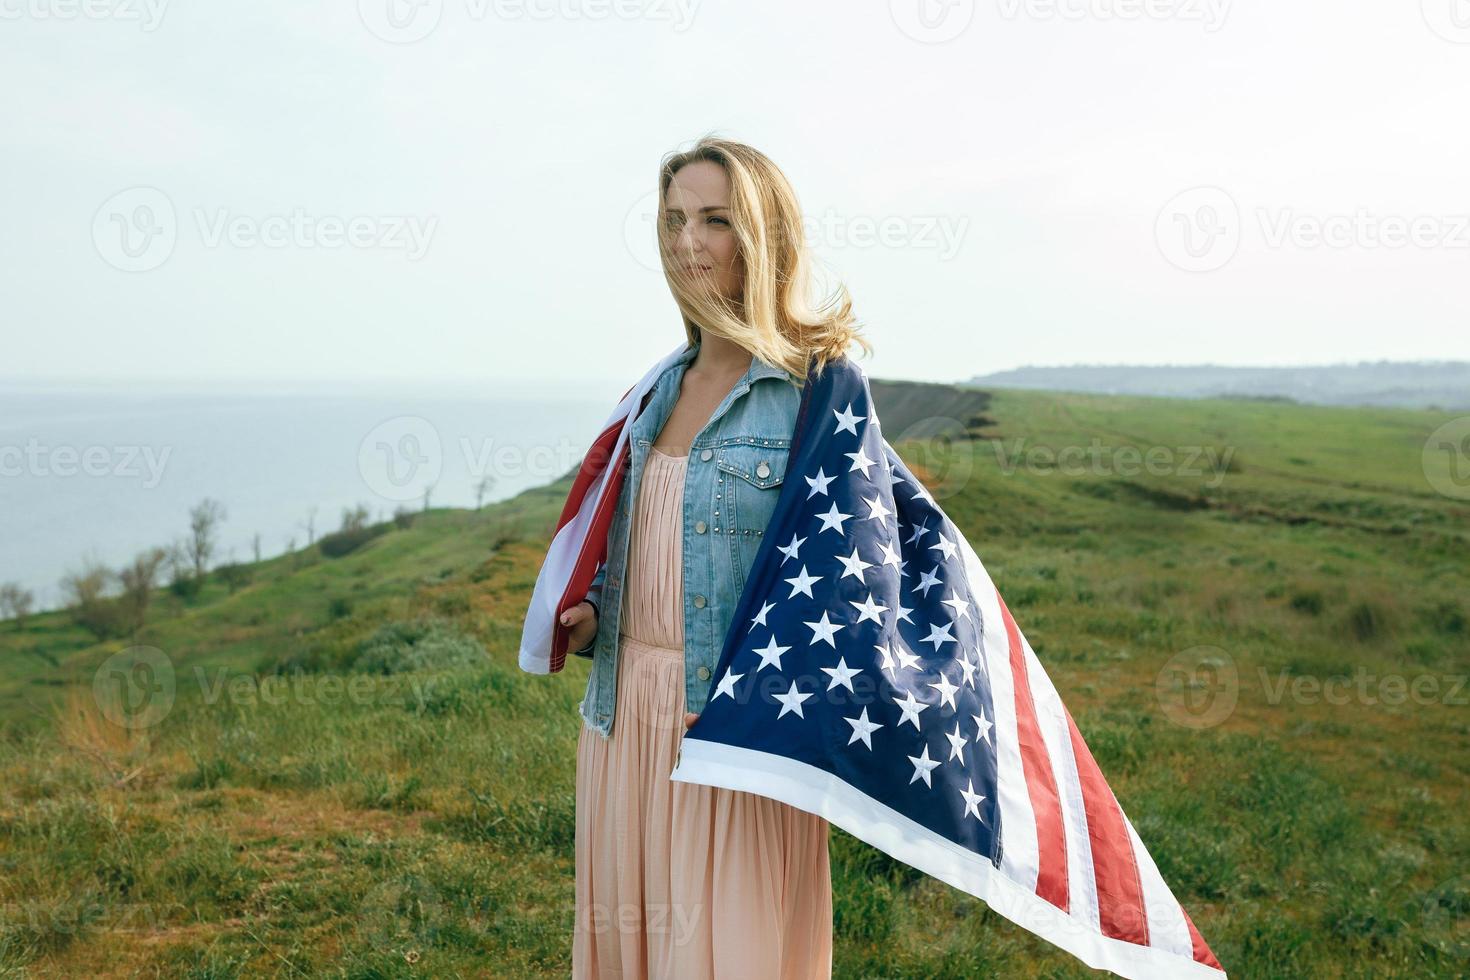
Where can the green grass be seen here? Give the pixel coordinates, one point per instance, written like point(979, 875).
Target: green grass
point(337, 789)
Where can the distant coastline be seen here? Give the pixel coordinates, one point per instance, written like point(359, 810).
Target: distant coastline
point(1401, 384)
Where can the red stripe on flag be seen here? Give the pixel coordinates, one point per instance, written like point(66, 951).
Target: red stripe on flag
point(1202, 952)
point(1041, 782)
point(592, 466)
point(593, 547)
point(1120, 904)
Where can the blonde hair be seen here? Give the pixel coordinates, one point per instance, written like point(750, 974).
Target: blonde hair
point(774, 318)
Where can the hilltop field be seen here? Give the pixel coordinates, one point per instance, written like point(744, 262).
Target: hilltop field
point(1257, 613)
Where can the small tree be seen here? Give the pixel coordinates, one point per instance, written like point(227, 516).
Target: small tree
point(204, 521)
point(482, 489)
point(428, 492)
point(256, 545)
point(138, 581)
point(355, 518)
point(309, 526)
point(182, 581)
point(88, 601)
point(16, 603)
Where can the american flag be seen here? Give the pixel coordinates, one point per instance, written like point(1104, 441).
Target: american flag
point(873, 675)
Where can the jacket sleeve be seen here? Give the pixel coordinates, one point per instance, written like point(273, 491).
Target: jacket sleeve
point(594, 594)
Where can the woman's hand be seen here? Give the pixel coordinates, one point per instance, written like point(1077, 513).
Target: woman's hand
point(581, 621)
point(689, 719)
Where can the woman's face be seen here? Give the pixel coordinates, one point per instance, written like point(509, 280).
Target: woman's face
point(702, 236)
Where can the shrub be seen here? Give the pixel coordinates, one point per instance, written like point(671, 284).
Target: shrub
point(1447, 617)
point(1365, 620)
point(420, 644)
point(234, 575)
point(340, 543)
point(90, 604)
point(16, 602)
point(185, 586)
point(1308, 601)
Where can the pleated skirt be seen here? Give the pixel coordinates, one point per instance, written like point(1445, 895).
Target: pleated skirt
point(677, 881)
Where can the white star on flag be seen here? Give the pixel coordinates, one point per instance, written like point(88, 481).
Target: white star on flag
point(923, 765)
point(791, 701)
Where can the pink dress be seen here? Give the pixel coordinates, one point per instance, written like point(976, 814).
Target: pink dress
point(677, 881)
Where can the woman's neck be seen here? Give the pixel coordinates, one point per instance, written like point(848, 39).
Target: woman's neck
point(720, 356)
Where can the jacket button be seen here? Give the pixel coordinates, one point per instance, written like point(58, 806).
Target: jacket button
point(699, 602)
point(699, 526)
point(706, 455)
point(702, 673)
point(763, 470)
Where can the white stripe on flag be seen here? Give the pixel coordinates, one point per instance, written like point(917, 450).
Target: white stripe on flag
point(1019, 857)
point(1081, 883)
point(1166, 926)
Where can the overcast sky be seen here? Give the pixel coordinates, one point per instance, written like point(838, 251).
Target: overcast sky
point(459, 189)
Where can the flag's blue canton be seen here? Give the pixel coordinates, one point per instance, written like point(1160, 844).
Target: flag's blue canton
point(856, 644)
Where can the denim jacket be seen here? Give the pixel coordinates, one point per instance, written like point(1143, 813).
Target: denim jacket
point(736, 466)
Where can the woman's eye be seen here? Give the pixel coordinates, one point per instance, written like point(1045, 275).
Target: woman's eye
point(723, 221)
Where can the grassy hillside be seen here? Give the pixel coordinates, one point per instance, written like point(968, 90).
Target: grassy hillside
point(339, 770)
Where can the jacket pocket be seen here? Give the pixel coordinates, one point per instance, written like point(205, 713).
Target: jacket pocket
point(752, 474)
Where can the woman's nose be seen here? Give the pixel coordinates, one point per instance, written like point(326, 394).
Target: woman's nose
point(687, 243)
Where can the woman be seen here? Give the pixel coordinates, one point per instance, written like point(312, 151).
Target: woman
point(679, 880)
